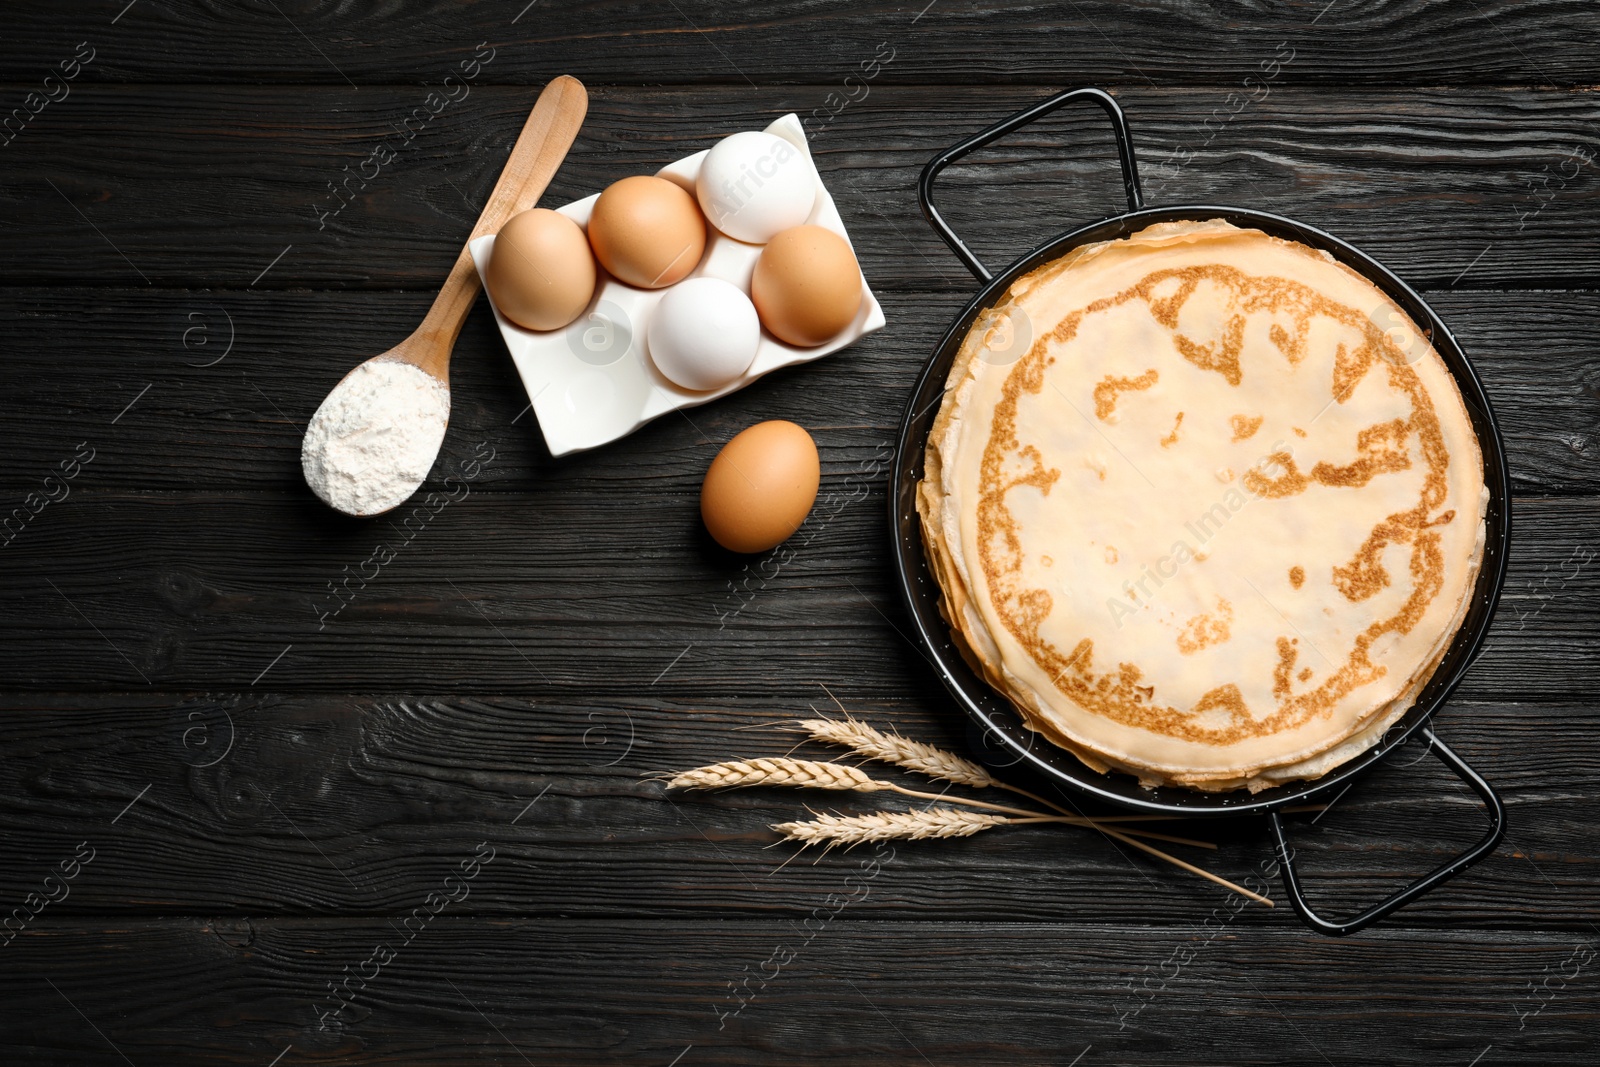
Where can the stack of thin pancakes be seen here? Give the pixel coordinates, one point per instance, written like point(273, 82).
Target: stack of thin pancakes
point(1204, 504)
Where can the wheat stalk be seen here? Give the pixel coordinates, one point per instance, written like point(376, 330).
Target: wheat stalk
point(849, 830)
point(927, 759)
point(888, 747)
point(811, 774)
point(916, 825)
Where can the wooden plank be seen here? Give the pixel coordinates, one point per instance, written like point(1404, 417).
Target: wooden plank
point(272, 788)
point(465, 991)
point(269, 804)
point(726, 42)
point(219, 417)
point(235, 187)
point(532, 592)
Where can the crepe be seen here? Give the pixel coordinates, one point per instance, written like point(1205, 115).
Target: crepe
point(1204, 504)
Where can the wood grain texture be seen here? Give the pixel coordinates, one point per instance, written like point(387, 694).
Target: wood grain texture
point(274, 777)
point(466, 991)
point(525, 592)
point(264, 803)
point(236, 424)
point(165, 184)
point(741, 45)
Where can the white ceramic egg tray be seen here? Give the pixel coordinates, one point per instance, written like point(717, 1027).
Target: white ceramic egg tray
point(594, 382)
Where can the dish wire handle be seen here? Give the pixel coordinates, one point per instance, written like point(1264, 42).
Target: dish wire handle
point(1119, 125)
point(1443, 873)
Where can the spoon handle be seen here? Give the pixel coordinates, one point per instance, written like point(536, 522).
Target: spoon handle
point(542, 145)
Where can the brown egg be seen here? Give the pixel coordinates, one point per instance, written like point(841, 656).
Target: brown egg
point(541, 273)
point(807, 286)
point(647, 231)
point(760, 487)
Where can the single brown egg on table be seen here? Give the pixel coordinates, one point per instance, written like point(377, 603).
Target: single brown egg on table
point(807, 285)
point(760, 487)
point(647, 231)
point(541, 273)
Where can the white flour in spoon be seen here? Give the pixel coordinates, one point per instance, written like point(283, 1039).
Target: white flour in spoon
point(375, 437)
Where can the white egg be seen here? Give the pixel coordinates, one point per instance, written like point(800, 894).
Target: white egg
point(703, 334)
point(754, 185)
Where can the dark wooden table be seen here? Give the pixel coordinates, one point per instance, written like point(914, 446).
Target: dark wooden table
point(247, 819)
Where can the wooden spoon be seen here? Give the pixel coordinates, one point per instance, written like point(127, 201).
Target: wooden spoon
point(542, 145)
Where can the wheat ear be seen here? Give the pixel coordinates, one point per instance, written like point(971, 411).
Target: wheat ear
point(887, 747)
point(916, 825)
point(848, 830)
point(805, 774)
